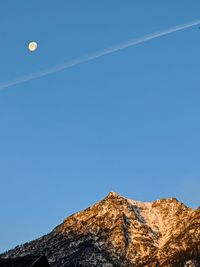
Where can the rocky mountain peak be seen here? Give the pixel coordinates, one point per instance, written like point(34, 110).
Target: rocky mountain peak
point(118, 231)
point(114, 194)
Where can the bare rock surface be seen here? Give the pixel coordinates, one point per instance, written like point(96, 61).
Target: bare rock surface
point(122, 232)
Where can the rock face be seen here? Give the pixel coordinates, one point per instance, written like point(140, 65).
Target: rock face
point(121, 232)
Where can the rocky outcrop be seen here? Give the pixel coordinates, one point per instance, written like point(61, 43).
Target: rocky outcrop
point(121, 232)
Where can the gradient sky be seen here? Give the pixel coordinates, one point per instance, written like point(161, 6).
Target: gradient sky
point(127, 122)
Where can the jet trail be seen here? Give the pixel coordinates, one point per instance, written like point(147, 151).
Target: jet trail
point(97, 54)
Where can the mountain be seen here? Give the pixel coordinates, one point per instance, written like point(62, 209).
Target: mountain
point(121, 232)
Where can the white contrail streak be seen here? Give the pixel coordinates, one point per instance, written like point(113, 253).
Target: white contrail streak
point(97, 54)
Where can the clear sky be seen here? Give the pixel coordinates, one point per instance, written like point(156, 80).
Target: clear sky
point(126, 122)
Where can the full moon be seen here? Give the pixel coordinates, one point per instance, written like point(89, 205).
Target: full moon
point(32, 46)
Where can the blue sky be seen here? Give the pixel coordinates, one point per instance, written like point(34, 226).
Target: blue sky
point(127, 122)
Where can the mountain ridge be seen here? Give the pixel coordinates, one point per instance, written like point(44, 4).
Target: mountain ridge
point(118, 231)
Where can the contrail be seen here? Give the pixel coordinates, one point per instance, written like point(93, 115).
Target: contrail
point(97, 54)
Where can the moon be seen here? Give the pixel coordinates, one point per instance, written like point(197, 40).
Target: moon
point(32, 46)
